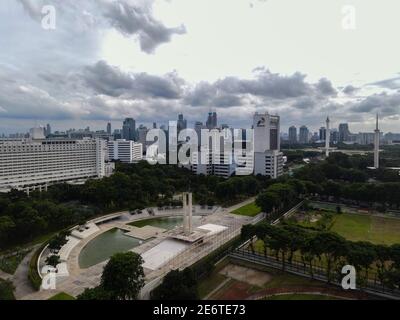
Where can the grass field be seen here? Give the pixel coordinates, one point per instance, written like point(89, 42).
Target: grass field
point(250, 210)
point(62, 296)
point(357, 227)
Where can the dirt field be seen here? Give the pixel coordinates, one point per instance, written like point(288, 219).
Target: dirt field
point(246, 275)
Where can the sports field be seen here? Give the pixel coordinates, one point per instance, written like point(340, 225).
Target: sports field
point(250, 210)
point(358, 227)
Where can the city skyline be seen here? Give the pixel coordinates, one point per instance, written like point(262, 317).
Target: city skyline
point(140, 59)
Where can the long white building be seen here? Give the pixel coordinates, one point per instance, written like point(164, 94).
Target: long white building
point(30, 164)
point(125, 151)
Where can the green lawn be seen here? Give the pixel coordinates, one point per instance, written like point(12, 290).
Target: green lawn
point(299, 296)
point(62, 296)
point(250, 210)
point(358, 227)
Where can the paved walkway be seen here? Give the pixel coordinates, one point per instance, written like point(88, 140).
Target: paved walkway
point(20, 279)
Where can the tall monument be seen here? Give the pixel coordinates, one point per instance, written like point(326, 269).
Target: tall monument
point(187, 213)
point(328, 137)
point(377, 137)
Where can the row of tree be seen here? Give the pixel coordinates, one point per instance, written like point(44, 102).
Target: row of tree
point(331, 251)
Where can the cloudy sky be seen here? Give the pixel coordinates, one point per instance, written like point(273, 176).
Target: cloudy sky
point(152, 59)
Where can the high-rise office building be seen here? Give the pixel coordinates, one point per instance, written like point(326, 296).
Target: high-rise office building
point(109, 128)
point(344, 132)
point(304, 135)
point(129, 129)
point(268, 160)
point(142, 134)
point(30, 164)
point(322, 133)
point(198, 126)
point(182, 123)
point(212, 120)
point(293, 134)
point(48, 130)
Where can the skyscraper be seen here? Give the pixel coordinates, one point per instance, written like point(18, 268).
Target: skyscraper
point(48, 130)
point(182, 123)
point(198, 126)
point(142, 134)
point(293, 134)
point(327, 137)
point(344, 132)
point(304, 135)
point(109, 128)
point(212, 120)
point(129, 129)
point(322, 133)
point(268, 160)
point(376, 144)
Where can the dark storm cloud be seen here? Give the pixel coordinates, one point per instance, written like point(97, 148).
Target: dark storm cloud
point(325, 88)
point(383, 103)
point(267, 86)
point(128, 18)
point(349, 90)
point(230, 91)
point(108, 80)
point(305, 103)
point(139, 21)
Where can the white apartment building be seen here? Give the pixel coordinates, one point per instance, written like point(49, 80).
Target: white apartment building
point(218, 164)
point(268, 160)
point(29, 164)
point(125, 151)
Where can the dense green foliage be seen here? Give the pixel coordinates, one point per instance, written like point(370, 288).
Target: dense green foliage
point(177, 285)
point(122, 279)
point(341, 178)
point(6, 290)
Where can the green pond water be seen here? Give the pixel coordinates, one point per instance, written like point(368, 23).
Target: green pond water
point(104, 246)
point(164, 223)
